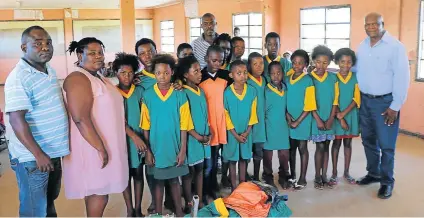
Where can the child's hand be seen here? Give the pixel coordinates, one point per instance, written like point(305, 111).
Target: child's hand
point(199, 138)
point(178, 85)
point(150, 159)
point(320, 125)
point(340, 115)
point(206, 139)
point(137, 80)
point(294, 124)
point(329, 124)
point(181, 158)
point(240, 139)
point(139, 143)
point(245, 134)
point(344, 125)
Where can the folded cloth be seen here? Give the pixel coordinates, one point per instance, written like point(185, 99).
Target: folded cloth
point(279, 207)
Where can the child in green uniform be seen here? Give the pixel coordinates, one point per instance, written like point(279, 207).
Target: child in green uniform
point(146, 50)
point(240, 103)
point(277, 134)
point(184, 50)
point(322, 132)
point(237, 50)
point(125, 66)
point(165, 120)
point(255, 67)
point(300, 102)
point(272, 45)
point(198, 148)
point(347, 124)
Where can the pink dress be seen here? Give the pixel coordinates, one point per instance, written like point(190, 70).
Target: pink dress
point(82, 171)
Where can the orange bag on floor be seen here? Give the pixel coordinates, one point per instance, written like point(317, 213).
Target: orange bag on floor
point(248, 200)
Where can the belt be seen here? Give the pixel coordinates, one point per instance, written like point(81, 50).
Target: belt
point(375, 96)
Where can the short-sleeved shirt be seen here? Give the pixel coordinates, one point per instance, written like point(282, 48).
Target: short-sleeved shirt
point(40, 95)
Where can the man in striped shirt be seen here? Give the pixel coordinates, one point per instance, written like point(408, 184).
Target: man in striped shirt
point(201, 44)
point(38, 117)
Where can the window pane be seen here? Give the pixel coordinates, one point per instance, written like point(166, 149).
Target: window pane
point(168, 48)
point(244, 31)
point(310, 16)
point(195, 32)
point(255, 19)
point(421, 73)
point(167, 40)
point(163, 25)
point(192, 39)
point(241, 19)
point(336, 44)
point(143, 29)
point(255, 31)
point(255, 43)
point(195, 22)
point(313, 31)
point(309, 44)
point(256, 50)
point(338, 31)
point(167, 32)
point(338, 15)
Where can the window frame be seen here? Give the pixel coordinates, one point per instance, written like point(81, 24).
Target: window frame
point(161, 41)
point(420, 44)
point(326, 23)
point(247, 45)
point(189, 28)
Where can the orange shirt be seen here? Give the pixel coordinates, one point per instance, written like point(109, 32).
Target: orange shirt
point(214, 88)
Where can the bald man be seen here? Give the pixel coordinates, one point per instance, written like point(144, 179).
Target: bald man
point(383, 78)
point(201, 44)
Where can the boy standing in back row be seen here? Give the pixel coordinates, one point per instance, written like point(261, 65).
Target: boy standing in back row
point(272, 45)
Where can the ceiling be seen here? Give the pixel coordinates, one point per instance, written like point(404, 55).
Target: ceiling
point(106, 4)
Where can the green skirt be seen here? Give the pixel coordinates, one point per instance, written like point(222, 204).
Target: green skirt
point(170, 172)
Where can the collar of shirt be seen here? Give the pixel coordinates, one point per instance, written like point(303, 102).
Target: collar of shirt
point(24, 65)
point(202, 37)
point(387, 38)
point(212, 74)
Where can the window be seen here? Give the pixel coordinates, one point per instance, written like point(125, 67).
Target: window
point(420, 70)
point(167, 36)
point(195, 28)
point(325, 26)
point(250, 30)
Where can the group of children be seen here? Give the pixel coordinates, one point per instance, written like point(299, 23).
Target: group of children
point(185, 115)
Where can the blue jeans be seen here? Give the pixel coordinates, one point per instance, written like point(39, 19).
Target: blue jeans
point(379, 139)
point(37, 190)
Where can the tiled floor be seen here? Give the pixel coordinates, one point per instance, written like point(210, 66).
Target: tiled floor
point(344, 200)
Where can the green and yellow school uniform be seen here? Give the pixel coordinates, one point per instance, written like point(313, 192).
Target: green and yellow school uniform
point(165, 117)
point(277, 134)
point(240, 112)
point(196, 151)
point(287, 65)
point(326, 94)
point(147, 79)
point(132, 105)
point(258, 131)
point(348, 92)
point(301, 97)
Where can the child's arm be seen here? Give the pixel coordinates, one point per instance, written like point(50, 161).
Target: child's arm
point(310, 105)
point(145, 125)
point(197, 136)
point(356, 102)
point(139, 143)
point(320, 123)
point(296, 123)
point(183, 150)
point(335, 107)
point(252, 120)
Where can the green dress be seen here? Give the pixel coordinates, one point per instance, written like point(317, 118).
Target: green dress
point(287, 65)
point(147, 79)
point(196, 151)
point(301, 97)
point(240, 112)
point(277, 133)
point(165, 117)
point(348, 92)
point(132, 105)
point(258, 130)
point(325, 93)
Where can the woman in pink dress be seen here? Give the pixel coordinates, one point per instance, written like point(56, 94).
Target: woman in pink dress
point(98, 163)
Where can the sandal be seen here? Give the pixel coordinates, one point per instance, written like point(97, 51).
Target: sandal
point(350, 179)
point(327, 184)
point(333, 180)
point(298, 187)
point(318, 184)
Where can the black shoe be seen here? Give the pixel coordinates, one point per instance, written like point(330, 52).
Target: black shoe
point(385, 191)
point(366, 180)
